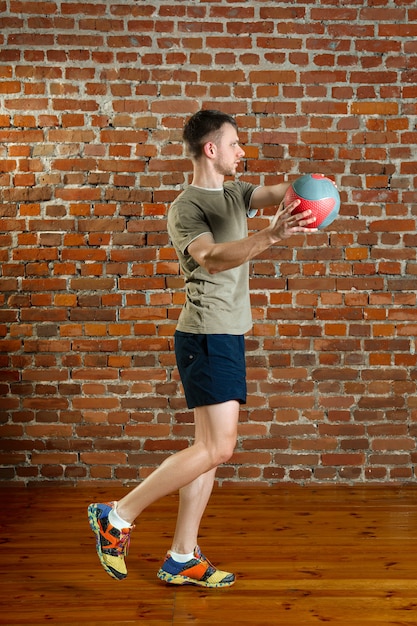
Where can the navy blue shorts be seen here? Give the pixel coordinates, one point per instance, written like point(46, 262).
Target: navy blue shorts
point(212, 368)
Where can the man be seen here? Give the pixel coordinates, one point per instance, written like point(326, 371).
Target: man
point(207, 224)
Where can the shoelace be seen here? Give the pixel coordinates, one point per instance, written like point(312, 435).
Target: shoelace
point(124, 541)
point(203, 559)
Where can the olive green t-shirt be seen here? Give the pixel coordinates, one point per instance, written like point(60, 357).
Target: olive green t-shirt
point(215, 303)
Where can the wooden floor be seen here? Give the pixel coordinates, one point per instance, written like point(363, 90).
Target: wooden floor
point(336, 555)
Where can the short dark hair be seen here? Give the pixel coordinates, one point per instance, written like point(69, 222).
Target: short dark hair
point(200, 126)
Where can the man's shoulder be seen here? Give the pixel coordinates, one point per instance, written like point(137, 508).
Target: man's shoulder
point(239, 186)
point(188, 194)
point(186, 201)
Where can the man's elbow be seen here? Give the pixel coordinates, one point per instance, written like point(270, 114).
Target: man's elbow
point(209, 262)
point(212, 267)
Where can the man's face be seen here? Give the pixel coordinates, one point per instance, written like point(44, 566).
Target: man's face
point(229, 151)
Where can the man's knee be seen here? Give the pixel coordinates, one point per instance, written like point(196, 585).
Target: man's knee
point(223, 452)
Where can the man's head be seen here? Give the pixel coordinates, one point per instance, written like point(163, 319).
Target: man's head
point(203, 126)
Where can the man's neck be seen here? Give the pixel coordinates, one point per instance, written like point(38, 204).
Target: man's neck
point(207, 179)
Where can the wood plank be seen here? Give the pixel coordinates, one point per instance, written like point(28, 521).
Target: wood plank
point(336, 555)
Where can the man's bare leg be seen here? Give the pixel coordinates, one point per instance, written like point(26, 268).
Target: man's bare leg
point(195, 496)
point(215, 440)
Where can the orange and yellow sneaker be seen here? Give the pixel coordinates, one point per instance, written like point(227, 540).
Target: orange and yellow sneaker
point(112, 544)
point(197, 571)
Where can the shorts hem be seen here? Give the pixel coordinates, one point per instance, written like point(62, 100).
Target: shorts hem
point(195, 405)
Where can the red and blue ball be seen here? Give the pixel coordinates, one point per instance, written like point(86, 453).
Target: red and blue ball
point(317, 193)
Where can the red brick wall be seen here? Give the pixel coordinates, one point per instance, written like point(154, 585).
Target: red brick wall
point(94, 95)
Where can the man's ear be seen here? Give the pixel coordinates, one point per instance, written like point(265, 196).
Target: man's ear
point(210, 149)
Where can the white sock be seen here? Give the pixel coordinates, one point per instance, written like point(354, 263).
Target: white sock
point(116, 521)
point(181, 558)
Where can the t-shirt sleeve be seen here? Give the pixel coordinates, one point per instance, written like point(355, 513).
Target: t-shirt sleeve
point(186, 222)
point(248, 190)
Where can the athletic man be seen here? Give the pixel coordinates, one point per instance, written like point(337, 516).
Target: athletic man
point(207, 224)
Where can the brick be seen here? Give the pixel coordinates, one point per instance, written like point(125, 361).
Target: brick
point(107, 458)
point(342, 459)
point(374, 108)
